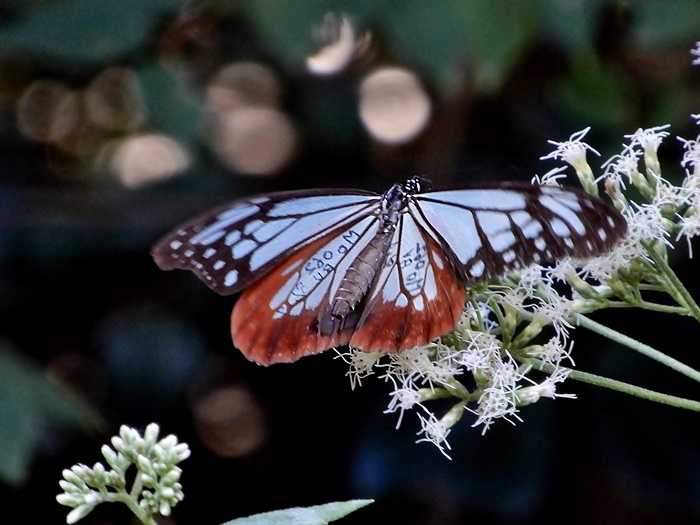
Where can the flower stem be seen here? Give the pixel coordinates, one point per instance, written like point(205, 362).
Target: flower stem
point(619, 386)
point(654, 307)
point(124, 497)
point(638, 346)
point(674, 282)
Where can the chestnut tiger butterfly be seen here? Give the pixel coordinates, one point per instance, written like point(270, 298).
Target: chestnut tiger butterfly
point(325, 268)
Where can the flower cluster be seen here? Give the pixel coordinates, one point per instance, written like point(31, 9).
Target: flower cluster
point(156, 487)
point(514, 339)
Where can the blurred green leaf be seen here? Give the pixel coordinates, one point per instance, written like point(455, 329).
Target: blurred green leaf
point(27, 400)
point(286, 26)
point(595, 94)
point(570, 23)
point(172, 110)
point(667, 23)
point(316, 515)
point(490, 33)
point(85, 30)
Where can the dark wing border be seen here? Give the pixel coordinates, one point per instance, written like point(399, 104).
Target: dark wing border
point(175, 251)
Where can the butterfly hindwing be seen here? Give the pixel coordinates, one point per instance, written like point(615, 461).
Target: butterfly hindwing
point(275, 320)
point(231, 246)
point(416, 296)
point(490, 231)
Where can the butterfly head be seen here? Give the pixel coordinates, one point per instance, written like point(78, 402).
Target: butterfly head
point(417, 184)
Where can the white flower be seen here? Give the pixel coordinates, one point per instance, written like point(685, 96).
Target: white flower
point(691, 154)
point(554, 351)
point(361, 364)
point(572, 151)
point(404, 397)
point(551, 178)
point(689, 228)
point(434, 431)
point(547, 388)
point(481, 352)
point(696, 53)
point(498, 398)
point(622, 166)
point(649, 139)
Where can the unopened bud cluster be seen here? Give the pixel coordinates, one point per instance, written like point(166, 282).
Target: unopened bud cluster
point(156, 487)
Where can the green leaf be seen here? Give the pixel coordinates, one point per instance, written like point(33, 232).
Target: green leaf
point(437, 39)
point(594, 93)
point(172, 110)
point(27, 400)
point(316, 515)
point(85, 30)
point(663, 23)
point(571, 23)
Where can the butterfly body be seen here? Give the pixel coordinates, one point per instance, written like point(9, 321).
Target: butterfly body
point(379, 272)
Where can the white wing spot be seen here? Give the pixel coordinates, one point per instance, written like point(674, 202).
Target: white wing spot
point(401, 301)
point(602, 234)
point(559, 227)
point(509, 256)
point(175, 245)
point(218, 265)
point(477, 269)
point(540, 243)
point(231, 278)
point(532, 229)
point(232, 237)
point(502, 240)
point(243, 248)
point(252, 226)
point(569, 242)
point(209, 252)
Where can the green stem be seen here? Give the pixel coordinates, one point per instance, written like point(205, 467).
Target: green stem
point(130, 502)
point(674, 282)
point(638, 346)
point(645, 305)
point(651, 287)
point(619, 386)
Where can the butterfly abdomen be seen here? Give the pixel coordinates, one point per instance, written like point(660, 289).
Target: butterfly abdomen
point(356, 282)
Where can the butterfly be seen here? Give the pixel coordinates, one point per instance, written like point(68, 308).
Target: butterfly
point(325, 268)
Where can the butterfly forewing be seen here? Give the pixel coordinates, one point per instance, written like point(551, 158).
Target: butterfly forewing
point(232, 246)
point(492, 230)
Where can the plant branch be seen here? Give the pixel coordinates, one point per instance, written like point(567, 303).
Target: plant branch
point(674, 282)
point(619, 386)
point(638, 346)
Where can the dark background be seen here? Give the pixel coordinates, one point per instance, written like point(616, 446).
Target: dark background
point(87, 156)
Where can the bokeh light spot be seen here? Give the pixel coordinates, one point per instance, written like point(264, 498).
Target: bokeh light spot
point(340, 45)
point(143, 159)
point(254, 140)
point(47, 111)
point(229, 421)
point(114, 100)
point(394, 107)
point(242, 84)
